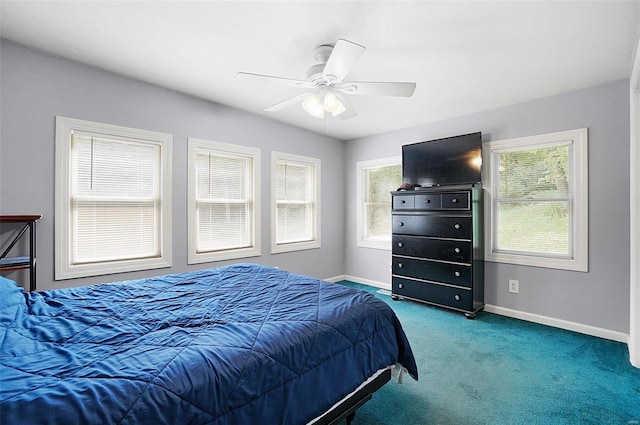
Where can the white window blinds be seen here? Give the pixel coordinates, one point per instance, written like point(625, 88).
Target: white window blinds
point(223, 201)
point(534, 201)
point(115, 199)
point(295, 198)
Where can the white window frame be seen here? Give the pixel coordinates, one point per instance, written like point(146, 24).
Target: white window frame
point(254, 249)
point(361, 191)
point(315, 241)
point(64, 269)
point(579, 221)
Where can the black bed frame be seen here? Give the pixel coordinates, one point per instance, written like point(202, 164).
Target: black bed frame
point(347, 408)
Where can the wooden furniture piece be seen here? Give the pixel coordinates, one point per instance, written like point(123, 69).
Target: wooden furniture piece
point(438, 251)
point(22, 262)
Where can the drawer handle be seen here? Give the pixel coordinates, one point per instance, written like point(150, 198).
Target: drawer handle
point(457, 274)
point(456, 226)
point(400, 285)
point(400, 265)
point(457, 250)
point(403, 201)
point(427, 200)
point(400, 244)
point(401, 224)
point(457, 297)
point(454, 200)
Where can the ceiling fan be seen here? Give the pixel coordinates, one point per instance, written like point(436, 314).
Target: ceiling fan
point(325, 85)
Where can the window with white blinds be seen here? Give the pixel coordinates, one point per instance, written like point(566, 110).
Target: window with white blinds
point(538, 205)
point(223, 208)
point(295, 202)
point(375, 180)
point(112, 197)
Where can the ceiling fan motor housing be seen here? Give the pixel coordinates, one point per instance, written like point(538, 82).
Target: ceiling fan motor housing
point(314, 73)
point(323, 52)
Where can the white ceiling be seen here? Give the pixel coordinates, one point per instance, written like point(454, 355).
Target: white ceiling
point(465, 56)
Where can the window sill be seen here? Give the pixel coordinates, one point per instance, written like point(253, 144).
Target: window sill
point(384, 245)
point(232, 254)
point(294, 246)
point(573, 264)
point(66, 271)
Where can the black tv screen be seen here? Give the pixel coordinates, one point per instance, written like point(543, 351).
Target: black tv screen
point(448, 161)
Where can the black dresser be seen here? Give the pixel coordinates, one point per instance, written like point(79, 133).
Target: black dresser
point(438, 247)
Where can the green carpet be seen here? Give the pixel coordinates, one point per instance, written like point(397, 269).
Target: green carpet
point(496, 370)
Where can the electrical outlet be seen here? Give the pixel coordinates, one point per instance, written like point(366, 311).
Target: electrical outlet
point(514, 286)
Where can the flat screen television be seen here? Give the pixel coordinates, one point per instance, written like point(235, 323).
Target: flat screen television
point(449, 161)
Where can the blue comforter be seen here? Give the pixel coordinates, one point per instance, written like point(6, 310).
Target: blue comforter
point(243, 344)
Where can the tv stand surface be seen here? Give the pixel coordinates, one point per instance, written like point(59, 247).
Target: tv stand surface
point(447, 187)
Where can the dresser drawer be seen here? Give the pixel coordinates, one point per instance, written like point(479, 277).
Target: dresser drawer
point(459, 298)
point(403, 202)
point(454, 274)
point(440, 249)
point(456, 201)
point(428, 201)
point(432, 225)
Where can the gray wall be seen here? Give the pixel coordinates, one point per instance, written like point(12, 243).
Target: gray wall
point(598, 298)
point(36, 87)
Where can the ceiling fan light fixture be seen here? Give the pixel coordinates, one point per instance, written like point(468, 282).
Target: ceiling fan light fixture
point(313, 106)
point(322, 101)
point(332, 104)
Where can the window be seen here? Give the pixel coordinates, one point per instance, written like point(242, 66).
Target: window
point(113, 199)
point(376, 179)
point(224, 204)
point(538, 200)
point(295, 195)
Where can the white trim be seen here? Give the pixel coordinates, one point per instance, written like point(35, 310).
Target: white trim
point(63, 267)
point(363, 281)
point(360, 222)
point(634, 154)
point(558, 323)
point(335, 279)
point(360, 280)
point(315, 242)
point(579, 261)
point(516, 314)
point(254, 250)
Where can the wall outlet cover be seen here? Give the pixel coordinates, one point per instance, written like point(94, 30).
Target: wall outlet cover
point(514, 286)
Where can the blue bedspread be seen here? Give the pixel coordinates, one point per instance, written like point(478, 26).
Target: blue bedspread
point(243, 344)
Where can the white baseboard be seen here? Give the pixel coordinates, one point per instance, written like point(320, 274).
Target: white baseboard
point(377, 284)
point(516, 314)
point(335, 279)
point(559, 323)
point(354, 279)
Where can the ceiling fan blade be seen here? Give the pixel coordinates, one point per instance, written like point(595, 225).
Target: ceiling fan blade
point(287, 103)
point(247, 76)
point(349, 111)
point(344, 54)
point(379, 89)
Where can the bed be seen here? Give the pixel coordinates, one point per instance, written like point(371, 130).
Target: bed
point(240, 344)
